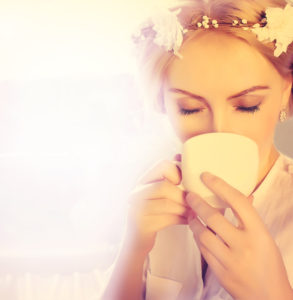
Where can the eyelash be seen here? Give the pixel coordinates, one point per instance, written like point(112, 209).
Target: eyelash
point(251, 110)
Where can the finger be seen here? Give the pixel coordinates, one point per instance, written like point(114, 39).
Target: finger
point(158, 190)
point(191, 215)
point(163, 206)
point(205, 238)
point(238, 202)
point(159, 222)
point(163, 170)
point(219, 269)
point(250, 199)
point(213, 218)
point(178, 157)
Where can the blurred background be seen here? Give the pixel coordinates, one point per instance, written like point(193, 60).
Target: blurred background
point(73, 140)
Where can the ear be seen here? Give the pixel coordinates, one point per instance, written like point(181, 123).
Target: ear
point(287, 89)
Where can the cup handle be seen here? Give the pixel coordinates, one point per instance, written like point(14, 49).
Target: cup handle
point(181, 186)
point(178, 164)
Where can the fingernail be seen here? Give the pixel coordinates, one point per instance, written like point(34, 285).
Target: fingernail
point(177, 157)
point(206, 176)
point(191, 197)
point(191, 215)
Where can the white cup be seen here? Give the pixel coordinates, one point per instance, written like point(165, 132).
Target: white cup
point(232, 157)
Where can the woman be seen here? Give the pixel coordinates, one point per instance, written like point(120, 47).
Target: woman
point(210, 68)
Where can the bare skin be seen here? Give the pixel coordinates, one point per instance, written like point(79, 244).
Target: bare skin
point(156, 203)
point(235, 66)
point(215, 68)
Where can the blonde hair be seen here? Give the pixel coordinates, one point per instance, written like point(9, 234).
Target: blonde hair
point(153, 61)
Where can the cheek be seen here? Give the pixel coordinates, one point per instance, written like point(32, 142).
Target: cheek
point(186, 127)
point(179, 127)
point(177, 121)
point(262, 130)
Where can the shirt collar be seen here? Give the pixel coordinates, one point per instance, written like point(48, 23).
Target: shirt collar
point(267, 182)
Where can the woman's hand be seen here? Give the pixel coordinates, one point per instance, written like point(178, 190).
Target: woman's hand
point(156, 203)
point(245, 259)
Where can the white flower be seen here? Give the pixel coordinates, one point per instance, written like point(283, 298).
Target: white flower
point(279, 28)
point(169, 31)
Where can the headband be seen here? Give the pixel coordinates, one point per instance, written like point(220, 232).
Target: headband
point(164, 28)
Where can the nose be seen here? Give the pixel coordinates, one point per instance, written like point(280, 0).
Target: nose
point(219, 122)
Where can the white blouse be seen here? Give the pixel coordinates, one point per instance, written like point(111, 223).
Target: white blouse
point(172, 269)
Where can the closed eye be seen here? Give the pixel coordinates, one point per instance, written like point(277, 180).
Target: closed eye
point(243, 109)
point(251, 109)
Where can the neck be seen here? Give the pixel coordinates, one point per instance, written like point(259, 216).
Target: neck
point(266, 166)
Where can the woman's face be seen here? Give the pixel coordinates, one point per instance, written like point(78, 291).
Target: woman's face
point(224, 85)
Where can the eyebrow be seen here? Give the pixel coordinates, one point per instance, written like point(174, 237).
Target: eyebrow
point(200, 98)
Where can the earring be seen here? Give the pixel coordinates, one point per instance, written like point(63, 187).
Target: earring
point(283, 116)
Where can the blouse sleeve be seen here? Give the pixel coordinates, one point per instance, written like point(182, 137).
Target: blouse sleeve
point(107, 275)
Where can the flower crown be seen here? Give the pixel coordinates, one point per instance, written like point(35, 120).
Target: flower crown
point(166, 31)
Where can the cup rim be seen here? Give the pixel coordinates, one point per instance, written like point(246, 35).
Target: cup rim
point(203, 135)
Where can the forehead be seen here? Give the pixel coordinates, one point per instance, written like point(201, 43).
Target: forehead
point(219, 61)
